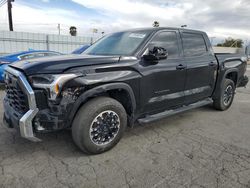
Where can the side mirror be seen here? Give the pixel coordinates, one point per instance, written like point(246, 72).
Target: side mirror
point(155, 54)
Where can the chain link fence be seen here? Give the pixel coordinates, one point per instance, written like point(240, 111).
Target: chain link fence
point(11, 42)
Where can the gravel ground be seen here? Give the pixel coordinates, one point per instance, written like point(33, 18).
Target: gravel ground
point(199, 148)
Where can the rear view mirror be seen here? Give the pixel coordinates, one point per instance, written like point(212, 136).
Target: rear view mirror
point(155, 54)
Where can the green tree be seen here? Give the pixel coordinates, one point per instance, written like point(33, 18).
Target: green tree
point(230, 42)
point(73, 31)
point(156, 24)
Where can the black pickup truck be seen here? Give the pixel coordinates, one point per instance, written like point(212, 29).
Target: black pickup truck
point(139, 75)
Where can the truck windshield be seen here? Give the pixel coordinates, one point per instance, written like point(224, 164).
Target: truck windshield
point(121, 43)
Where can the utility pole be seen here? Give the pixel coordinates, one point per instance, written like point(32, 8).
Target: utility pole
point(9, 2)
point(92, 38)
point(59, 28)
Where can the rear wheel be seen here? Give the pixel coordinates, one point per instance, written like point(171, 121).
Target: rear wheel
point(99, 125)
point(225, 99)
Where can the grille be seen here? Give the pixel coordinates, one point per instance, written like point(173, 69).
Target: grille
point(16, 97)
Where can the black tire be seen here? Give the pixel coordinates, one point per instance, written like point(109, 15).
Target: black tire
point(221, 103)
point(87, 114)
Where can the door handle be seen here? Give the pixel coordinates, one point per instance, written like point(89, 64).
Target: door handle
point(212, 63)
point(180, 67)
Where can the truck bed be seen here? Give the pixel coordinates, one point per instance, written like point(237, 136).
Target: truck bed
point(222, 57)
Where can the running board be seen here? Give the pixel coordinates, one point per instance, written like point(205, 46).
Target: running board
point(167, 113)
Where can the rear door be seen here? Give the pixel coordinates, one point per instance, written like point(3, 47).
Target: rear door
point(201, 66)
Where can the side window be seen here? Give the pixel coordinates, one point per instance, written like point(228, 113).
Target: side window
point(39, 54)
point(28, 56)
point(51, 54)
point(167, 40)
point(193, 44)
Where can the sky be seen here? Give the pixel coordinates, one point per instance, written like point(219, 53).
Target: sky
point(220, 19)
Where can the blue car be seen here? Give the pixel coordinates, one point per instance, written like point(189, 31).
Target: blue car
point(81, 49)
point(25, 55)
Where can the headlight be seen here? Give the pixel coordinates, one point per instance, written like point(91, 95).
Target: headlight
point(52, 83)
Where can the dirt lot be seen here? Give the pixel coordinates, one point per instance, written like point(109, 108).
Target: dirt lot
point(199, 148)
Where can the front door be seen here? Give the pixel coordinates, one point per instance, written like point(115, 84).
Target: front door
point(163, 83)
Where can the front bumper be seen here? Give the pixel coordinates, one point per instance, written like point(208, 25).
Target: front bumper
point(25, 121)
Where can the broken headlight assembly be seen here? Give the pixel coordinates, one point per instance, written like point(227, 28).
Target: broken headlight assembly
point(52, 83)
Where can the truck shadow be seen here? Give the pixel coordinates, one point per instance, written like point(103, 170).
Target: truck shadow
point(60, 144)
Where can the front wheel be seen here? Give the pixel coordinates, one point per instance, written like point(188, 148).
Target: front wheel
point(225, 99)
point(99, 125)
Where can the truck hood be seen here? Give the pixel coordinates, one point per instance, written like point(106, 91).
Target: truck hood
point(59, 64)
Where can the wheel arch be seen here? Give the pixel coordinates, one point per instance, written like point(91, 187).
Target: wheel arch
point(121, 92)
point(232, 75)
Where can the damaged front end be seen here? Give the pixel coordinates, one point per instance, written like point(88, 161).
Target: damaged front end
point(54, 114)
point(39, 103)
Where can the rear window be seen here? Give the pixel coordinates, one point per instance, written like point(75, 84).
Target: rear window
point(193, 44)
